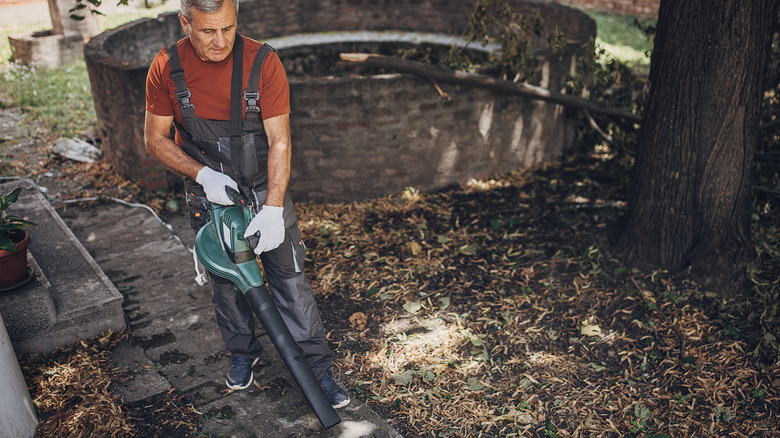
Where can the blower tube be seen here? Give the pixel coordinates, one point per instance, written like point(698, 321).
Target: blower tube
point(265, 309)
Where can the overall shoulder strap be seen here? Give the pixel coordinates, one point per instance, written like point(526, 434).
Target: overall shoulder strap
point(182, 92)
point(236, 85)
point(251, 95)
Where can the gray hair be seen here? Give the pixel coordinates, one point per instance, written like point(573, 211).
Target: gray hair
point(205, 6)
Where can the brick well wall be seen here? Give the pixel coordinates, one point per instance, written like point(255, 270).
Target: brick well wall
point(354, 137)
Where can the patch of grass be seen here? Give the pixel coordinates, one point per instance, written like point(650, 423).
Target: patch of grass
point(623, 38)
point(60, 99)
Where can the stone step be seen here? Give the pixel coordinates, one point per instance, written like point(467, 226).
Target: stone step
point(69, 297)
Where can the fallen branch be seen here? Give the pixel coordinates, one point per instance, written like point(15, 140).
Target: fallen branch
point(767, 190)
point(464, 78)
point(596, 126)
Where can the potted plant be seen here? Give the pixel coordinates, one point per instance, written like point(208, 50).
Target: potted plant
point(13, 242)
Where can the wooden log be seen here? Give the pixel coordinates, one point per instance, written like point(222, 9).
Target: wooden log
point(472, 79)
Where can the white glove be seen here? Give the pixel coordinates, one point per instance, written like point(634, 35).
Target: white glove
point(214, 183)
point(269, 221)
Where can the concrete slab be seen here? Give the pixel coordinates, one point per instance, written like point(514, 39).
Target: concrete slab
point(70, 297)
point(146, 382)
point(173, 318)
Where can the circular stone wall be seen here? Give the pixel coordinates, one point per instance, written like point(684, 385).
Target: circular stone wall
point(354, 136)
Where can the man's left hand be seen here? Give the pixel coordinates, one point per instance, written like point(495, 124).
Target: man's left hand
point(269, 221)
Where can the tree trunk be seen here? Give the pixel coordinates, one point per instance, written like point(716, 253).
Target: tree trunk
point(690, 187)
point(61, 23)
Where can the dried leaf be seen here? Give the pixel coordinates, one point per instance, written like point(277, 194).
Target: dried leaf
point(590, 330)
point(358, 320)
point(468, 250)
point(403, 378)
point(413, 306)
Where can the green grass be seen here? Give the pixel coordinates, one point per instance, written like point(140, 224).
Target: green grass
point(60, 98)
point(622, 39)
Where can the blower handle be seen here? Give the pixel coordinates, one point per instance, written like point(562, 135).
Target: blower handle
point(238, 199)
point(241, 202)
point(253, 240)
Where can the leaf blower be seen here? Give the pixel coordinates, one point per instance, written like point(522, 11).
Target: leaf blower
point(221, 247)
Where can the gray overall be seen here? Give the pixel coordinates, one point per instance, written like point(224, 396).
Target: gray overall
point(209, 142)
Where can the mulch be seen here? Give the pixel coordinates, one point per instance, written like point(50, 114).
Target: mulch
point(75, 395)
point(494, 309)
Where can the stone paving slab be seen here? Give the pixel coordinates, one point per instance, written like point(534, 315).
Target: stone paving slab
point(146, 382)
point(180, 344)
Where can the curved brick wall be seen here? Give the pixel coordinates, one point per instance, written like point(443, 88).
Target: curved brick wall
point(354, 137)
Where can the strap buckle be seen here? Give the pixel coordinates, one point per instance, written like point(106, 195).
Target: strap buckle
point(183, 94)
point(184, 98)
point(251, 98)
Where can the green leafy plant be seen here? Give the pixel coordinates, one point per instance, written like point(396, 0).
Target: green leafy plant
point(91, 6)
point(497, 21)
point(10, 224)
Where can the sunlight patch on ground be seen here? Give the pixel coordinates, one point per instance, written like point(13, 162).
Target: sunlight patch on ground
point(484, 185)
point(430, 342)
point(412, 194)
point(541, 358)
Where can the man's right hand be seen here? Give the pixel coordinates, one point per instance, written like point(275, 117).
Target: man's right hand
point(214, 183)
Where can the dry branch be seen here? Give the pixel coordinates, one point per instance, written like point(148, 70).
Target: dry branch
point(472, 79)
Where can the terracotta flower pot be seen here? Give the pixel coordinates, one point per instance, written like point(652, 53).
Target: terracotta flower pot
point(13, 265)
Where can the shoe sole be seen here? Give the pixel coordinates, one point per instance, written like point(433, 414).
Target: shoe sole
point(342, 404)
point(251, 377)
point(237, 387)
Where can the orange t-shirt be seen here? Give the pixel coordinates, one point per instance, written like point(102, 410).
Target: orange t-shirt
point(209, 83)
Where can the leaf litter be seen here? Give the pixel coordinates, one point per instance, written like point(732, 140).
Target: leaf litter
point(489, 309)
point(73, 390)
point(493, 309)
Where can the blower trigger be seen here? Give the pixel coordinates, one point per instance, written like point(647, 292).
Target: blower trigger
point(253, 240)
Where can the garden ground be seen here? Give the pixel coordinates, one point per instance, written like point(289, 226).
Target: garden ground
point(494, 309)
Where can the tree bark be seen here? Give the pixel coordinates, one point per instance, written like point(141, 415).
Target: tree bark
point(689, 208)
point(59, 10)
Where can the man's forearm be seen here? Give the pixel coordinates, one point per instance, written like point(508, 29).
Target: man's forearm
point(173, 157)
point(278, 173)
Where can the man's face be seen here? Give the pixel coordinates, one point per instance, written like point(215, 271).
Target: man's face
point(213, 34)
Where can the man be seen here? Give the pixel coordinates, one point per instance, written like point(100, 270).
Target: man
point(189, 85)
